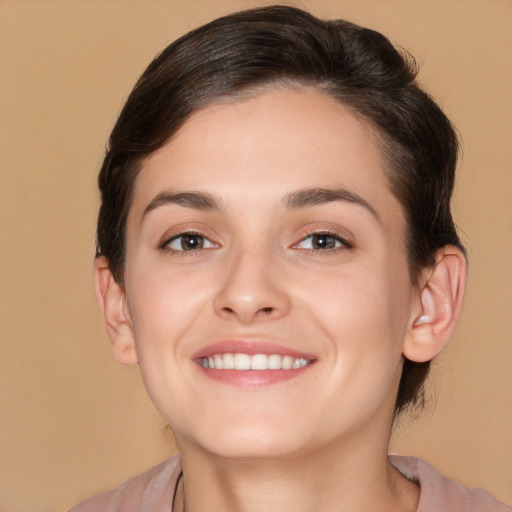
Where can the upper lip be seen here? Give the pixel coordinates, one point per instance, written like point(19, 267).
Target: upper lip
point(250, 347)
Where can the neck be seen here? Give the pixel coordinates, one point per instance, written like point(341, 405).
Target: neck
point(330, 480)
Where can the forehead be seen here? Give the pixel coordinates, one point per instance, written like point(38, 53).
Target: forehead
point(270, 144)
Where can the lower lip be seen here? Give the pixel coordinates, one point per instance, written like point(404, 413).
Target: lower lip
point(253, 378)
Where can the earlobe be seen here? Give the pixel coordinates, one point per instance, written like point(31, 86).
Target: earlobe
point(111, 299)
point(440, 302)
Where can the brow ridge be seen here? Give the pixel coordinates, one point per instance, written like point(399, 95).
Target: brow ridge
point(319, 196)
point(192, 199)
point(303, 198)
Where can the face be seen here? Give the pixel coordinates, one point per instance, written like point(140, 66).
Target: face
point(266, 278)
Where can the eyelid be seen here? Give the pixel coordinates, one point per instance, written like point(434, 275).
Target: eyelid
point(179, 232)
point(345, 244)
point(206, 240)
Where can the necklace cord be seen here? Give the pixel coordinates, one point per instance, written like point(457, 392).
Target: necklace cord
point(178, 481)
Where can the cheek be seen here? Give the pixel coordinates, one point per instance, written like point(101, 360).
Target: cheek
point(360, 300)
point(365, 316)
point(163, 306)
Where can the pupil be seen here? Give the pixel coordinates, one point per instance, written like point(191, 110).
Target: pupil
point(191, 242)
point(323, 242)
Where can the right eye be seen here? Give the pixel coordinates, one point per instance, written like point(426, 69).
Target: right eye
point(188, 242)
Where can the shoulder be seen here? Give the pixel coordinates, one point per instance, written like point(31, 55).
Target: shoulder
point(441, 493)
point(152, 491)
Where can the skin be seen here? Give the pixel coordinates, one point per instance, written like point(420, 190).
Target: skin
point(318, 440)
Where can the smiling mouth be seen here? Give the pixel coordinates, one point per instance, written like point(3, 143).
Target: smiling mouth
point(240, 361)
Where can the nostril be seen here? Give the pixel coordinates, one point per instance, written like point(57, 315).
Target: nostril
point(267, 310)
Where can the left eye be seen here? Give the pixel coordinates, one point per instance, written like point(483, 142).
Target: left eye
point(319, 241)
point(189, 242)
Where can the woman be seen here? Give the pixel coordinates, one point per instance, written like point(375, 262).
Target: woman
point(276, 252)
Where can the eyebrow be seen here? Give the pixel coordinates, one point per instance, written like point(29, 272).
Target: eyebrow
point(319, 196)
point(196, 200)
point(299, 199)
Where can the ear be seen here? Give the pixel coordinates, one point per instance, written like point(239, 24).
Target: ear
point(438, 308)
point(111, 298)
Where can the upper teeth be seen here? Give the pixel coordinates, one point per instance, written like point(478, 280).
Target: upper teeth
point(254, 362)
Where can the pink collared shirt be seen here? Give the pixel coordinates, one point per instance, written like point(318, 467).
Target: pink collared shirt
point(153, 491)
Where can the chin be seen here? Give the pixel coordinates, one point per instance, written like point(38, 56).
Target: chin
point(252, 449)
point(251, 440)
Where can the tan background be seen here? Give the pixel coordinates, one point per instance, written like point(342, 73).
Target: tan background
point(72, 421)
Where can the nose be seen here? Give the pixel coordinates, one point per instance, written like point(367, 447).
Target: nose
point(251, 290)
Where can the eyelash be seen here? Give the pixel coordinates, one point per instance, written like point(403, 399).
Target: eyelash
point(166, 244)
point(343, 243)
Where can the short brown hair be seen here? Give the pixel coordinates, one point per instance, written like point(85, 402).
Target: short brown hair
point(282, 45)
